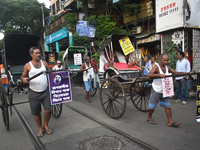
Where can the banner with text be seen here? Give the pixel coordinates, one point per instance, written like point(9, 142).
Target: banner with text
point(169, 15)
point(77, 59)
point(59, 87)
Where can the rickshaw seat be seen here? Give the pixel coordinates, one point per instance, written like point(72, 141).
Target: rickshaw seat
point(124, 66)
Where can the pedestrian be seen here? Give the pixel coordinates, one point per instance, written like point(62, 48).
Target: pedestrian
point(58, 66)
point(182, 65)
point(160, 70)
point(146, 69)
point(152, 63)
point(38, 91)
point(88, 74)
point(95, 69)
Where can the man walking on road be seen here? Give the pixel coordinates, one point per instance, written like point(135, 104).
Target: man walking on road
point(182, 65)
point(87, 74)
point(161, 71)
point(38, 91)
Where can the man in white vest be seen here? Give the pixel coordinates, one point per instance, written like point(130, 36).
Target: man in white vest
point(38, 90)
point(160, 71)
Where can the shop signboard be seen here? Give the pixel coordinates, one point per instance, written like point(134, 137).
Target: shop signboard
point(51, 57)
point(169, 14)
point(59, 87)
point(61, 34)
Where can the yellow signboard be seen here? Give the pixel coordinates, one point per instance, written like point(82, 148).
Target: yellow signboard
point(126, 45)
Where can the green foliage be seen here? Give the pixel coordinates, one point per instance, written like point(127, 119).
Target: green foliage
point(128, 4)
point(72, 20)
point(21, 16)
point(171, 49)
point(96, 55)
point(104, 27)
point(60, 55)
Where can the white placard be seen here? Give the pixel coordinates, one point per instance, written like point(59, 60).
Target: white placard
point(77, 59)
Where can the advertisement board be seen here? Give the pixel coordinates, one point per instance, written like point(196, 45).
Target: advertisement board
point(169, 14)
point(192, 12)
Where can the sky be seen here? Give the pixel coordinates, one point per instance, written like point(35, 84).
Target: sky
point(46, 2)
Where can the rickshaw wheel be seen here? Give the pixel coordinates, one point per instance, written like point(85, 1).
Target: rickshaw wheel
point(140, 93)
point(4, 107)
point(113, 98)
point(56, 110)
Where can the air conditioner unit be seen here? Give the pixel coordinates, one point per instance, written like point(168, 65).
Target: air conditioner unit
point(137, 29)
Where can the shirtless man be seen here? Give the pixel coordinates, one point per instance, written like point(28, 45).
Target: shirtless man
point(156, 92)
point(38, 92)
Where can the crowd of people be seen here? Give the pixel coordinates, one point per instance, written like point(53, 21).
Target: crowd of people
point(39, 92)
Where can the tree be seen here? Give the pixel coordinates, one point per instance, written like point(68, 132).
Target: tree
point(104, 27)
point(21, 16)
point(171, 49)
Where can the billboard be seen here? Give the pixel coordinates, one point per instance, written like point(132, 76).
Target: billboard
point(169, 14)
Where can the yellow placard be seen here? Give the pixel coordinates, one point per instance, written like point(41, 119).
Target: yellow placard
point(126, 45)
point(198, 88)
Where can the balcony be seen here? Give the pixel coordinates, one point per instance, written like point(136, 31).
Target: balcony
point(67, 3)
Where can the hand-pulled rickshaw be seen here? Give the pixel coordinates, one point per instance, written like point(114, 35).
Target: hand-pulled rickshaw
point(15, 54)
point(122, 76)
point(73, 58)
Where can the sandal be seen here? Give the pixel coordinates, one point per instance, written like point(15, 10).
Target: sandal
point(174, 125)
point(40, 135)
point(89, 101)
point(49, 131)
point(151, 121)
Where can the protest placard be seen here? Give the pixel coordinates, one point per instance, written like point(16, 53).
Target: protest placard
point(59, 87)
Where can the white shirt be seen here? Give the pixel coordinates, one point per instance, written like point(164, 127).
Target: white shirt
point(56, 67)
point(182, 66)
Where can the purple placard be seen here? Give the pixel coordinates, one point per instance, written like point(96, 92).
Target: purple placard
point(59, 87)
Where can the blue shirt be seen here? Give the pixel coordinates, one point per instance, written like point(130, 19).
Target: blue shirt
point(145, 71)
point(182, 66)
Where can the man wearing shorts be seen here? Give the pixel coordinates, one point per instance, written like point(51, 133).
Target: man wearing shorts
point(160, 70)
point(38, 91)
point(87, 70)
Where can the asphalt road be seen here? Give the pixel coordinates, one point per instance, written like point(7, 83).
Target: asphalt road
point(72, 130)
